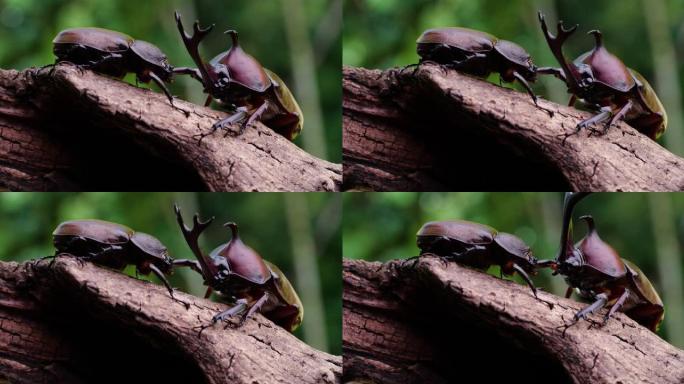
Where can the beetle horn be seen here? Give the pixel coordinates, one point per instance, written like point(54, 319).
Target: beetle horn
point(590, 223)
point(192, 44)
point(598, 36)
point(192, 238)
point(233, 36)
point(233, 229)
point(556, 45)
point(566, 244)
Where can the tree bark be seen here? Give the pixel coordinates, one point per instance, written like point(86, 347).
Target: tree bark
point(76, 322)
point(440, 322)
point(438, 129)
point(63, 128)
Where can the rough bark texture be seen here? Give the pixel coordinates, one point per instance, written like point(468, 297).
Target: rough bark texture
point(79, 323)
point(432, 322)
point(63, 128)
point(438, 129)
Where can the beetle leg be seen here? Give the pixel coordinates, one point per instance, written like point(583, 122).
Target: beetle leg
point(256, 116)
point(105, 59)
point(192, 264)
point(239, 307)
point(572, 101)
point(161, 85)
point(619, 115)
point(556, 72)
point(255, 307)
point(600, 117)
point(193, 72)
point(601, 300)
point(163, 279)
point(568, 292)
point(239, 115)
point(525, 85)
point(208, 101)
point(208, 292)
point(618, 304)
point(525, 277)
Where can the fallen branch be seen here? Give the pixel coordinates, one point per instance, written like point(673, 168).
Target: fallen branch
point(73, 323)
point(63, 128)
point(442, 130)
point(439, 323)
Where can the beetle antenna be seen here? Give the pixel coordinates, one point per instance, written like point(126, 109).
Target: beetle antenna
point(598, 36)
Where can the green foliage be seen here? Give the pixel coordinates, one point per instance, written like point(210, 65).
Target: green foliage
point(29, 219)
point(382, 226)
point(28, 27)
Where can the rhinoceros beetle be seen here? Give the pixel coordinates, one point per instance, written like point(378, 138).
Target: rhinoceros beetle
point(243, 277)
point(116, 54)
point(479, 53)
point(116, 246)
point(606, 84)
point(237, 79)
point(599, 274)
point(478, 246)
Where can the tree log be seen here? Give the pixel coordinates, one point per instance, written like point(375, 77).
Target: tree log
point(438, 129)
point(63, 128)
point(76, 322)
point(437, 322)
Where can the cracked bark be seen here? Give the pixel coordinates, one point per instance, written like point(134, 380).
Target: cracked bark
point(73, 323)
point(438, 323)
point(442, 130)
point(66, 129)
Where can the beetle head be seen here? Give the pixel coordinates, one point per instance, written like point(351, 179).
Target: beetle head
point(153, 59)
point(151, 248)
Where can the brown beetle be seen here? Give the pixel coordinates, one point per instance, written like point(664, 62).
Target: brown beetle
point(116, 54)
point(116, 246)
point(236, 78)
point(479, 53)
point(478, 246)
point(604, 82)
point(599, 274)
point(240, 274)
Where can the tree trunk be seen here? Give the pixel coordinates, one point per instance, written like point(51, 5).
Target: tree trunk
point(75, 322)
point(438, 322)
point(63, 128)
point(438, 129)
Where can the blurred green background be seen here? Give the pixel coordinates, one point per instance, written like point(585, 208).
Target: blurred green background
point(299, 232)
point(647, 229)
point(298, 39)
point(648, 35)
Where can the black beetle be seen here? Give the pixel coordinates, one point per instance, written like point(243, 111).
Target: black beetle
point(599, 274)
point(479, 53)
point(478, 246)
point(606, 84)
point(237, 79)
point(243, 277)
point(116, 54)
point(116, 246)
